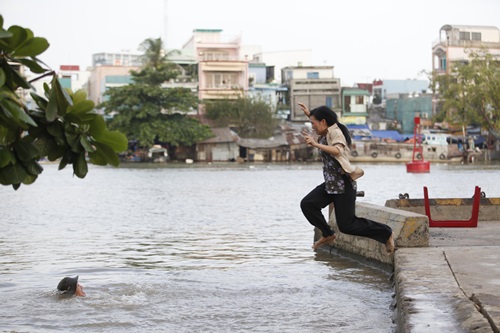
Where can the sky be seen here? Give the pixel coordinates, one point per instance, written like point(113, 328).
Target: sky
point(364, 40)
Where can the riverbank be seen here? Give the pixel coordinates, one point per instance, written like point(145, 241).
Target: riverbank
point(445, 279)
point(453, 285)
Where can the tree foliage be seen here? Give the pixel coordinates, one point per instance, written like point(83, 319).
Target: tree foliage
point(251, 118)
point(62, 126)
point(470, 93)
point(148, 112)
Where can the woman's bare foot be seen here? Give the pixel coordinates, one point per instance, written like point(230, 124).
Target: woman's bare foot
point(323, 240)
point(389, 245)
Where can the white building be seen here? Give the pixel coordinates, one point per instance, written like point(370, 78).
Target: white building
point(456, 41)
point(276, 61)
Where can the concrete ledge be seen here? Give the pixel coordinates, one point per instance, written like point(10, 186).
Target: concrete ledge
point(449, 208)
point(429, 298)
point(410, 230)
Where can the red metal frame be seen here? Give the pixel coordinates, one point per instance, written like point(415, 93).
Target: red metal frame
point(470, 223)
point(417, 165)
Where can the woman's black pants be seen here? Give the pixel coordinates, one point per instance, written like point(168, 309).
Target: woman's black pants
point(345, 205)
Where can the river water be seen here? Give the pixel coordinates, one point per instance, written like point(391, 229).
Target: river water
point(199, 248)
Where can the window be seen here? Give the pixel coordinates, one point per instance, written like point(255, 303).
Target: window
point(313, 75)
point(476, 36)
point(464, 35)
point(442, 64)
point(360, 99)
point(222, 80)
point(329, 101)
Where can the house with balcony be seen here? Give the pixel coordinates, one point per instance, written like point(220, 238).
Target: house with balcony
point(222, 71)
point(312, 85)
point(456, 41)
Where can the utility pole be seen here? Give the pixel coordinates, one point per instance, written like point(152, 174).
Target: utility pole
point(165, 24)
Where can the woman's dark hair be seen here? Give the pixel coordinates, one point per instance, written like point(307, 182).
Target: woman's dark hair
point(324, 112)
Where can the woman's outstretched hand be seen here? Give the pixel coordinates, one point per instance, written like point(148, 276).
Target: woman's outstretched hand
point(309, 139)
point(304, 109)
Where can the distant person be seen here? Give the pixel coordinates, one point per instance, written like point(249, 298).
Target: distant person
point(338, 186)
point(70, 286)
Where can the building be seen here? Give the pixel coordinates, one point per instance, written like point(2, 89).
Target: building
point(222, 147)
point(70, 76)
point(222, 71)
point(403, 110)
point(104, 77)
point(124, 58)
point(456, 41)
point(392, 88)
point(277, 60)
point(355, 105)
point(455, 44)
point(314, 86)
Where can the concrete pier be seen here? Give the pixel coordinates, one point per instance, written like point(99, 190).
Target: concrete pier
point(446, 279)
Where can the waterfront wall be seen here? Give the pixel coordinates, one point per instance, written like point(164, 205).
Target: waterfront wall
point(449, 208)
point(410, 230)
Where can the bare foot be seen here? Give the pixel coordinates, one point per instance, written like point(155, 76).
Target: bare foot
point(389, 245)
point(323, 240)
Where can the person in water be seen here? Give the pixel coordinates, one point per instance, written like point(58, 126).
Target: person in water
point(70, 286)
point(338, 187)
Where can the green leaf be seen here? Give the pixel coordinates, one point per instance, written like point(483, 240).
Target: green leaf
point(97, 127)
point(2, 77)
point(32, 47)
point(13, 174)
point(30, 179)
point(17, 114)
point(45, 144)
point(17, 78)
point(79, 96)
point(32, 65)
point(5, 34)
point(80, 119)
point(73, 139)
point(6, 157)
point(55, 129)
point(39, 100)
point(81, 107)
point(33, 168)
point(115, 140)
point(86, 144)
point(80, 167)
point(66, 159)
point(63, 98)
point(19, 36)
point(51, 111)
point(104, 155)
point(57, 153)
point(25, 151)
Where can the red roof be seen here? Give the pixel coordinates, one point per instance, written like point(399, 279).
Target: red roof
point(69, 67)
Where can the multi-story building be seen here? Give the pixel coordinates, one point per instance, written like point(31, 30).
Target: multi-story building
point(277, 60)
point(104, 77)
point(314, 86)
point(456, 41)
point(70, 76)
point(222, 71)
point(124, 58)
point(384, 89)
point(355, 105)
